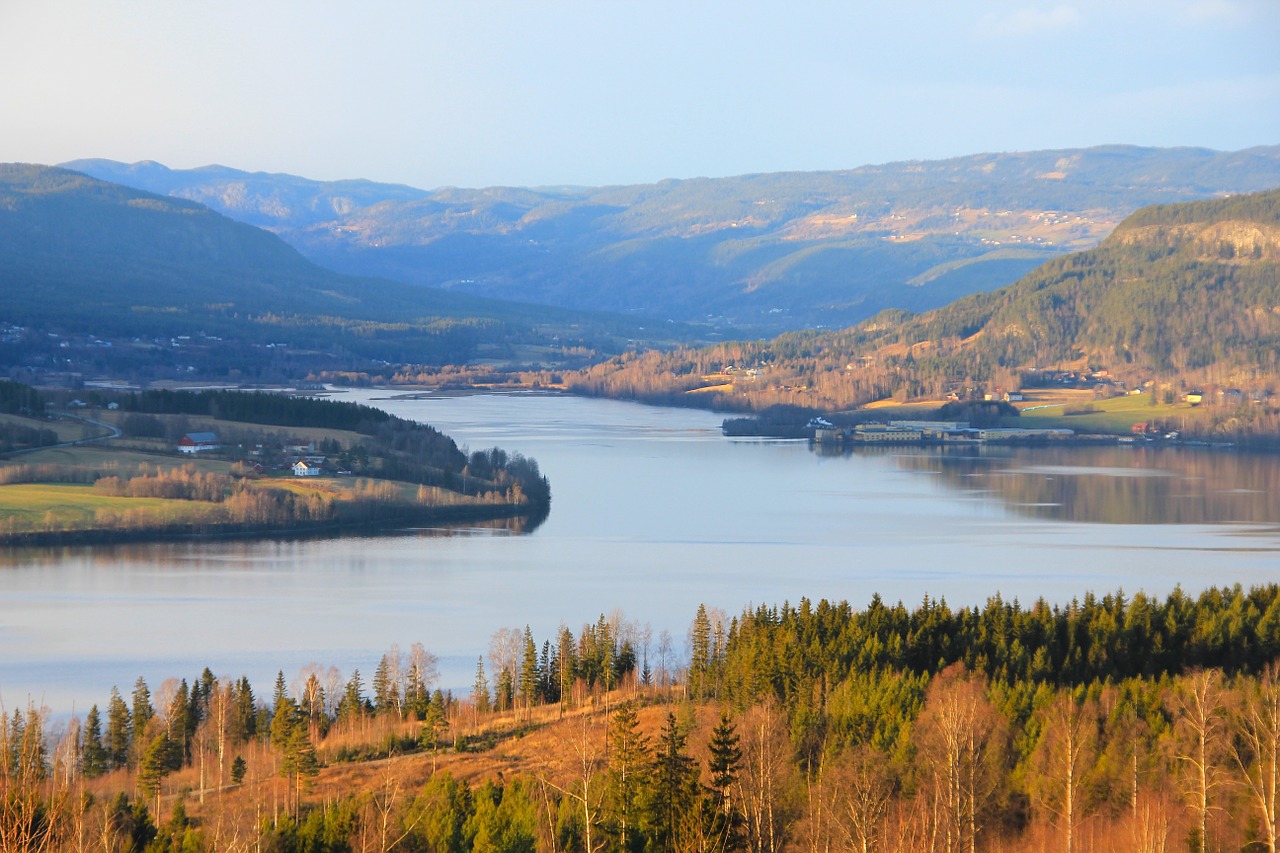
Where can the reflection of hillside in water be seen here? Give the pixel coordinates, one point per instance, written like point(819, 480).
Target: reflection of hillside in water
point(194, 549)
point(1110, 485)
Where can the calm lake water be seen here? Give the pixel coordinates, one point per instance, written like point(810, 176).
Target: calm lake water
point(653, 512)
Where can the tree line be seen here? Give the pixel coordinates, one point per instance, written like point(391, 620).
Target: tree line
point(1113, 722)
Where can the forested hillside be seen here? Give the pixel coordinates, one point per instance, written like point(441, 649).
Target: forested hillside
point(772, 252)
point(131, 280)
point(1182, 296)
point(1113, 723)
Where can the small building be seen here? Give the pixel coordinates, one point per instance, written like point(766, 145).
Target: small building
point(303, 468)
point(196, 442)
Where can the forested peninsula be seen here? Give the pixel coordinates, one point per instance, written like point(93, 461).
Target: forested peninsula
point(1120, 722)
point(180, 464)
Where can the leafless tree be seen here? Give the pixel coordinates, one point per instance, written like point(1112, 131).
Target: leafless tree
point(864, 789)
point(1199, 726)
point(1255, 748)
point(960, 736)
point(765, 777)
point(1064, 756)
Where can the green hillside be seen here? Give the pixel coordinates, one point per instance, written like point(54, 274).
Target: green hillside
point(1189, 289)
point(1183, 296)
point(771, 252)
point(82, 257)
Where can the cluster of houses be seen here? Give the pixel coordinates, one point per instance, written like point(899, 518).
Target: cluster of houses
point(301, 459)
point(922, 432)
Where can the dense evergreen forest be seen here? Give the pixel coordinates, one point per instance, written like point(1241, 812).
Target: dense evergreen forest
point(1112, 723)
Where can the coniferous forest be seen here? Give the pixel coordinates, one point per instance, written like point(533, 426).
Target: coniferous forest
point(1120, 722)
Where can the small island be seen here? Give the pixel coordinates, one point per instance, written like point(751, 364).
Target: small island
point(191, 464)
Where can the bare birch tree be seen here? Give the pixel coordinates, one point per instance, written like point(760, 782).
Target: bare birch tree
point(1064, 756)
point(1255, 748)
point(960, 737)
point(1199, 725)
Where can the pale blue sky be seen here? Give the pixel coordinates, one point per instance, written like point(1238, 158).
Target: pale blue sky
point(479, 93)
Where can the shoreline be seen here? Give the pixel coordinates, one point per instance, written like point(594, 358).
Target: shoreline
point(401, 521)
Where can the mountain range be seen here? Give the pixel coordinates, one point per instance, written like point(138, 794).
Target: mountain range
point(97, 261)
point(763, 253)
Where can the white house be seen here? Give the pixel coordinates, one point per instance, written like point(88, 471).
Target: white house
point(303, 468)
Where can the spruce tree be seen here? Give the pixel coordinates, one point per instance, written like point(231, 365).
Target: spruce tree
point(700, 654)
point(119, 731)
point(143, 712)
point(93, 756)
point(674, 791)
point(529, 670)
point(629, 766)
point(480, 689)
point(352, 703)
point(724, 820)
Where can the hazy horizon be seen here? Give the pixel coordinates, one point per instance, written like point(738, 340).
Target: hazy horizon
point(576, 93)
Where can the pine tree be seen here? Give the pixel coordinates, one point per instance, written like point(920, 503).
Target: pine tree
point(674, 791)
point(724, 820)
point(480, 689)
point(281, 691)
point(352, 703)
point(386, 693)
point(179, 726)
point(567, 666)
point(153, 766)
point(629, 766)
point(119, 731)
point(529, 670)
point(143, 712)
point(245, 717)
point(93, 756)
point(700, 654)
point(285, 716)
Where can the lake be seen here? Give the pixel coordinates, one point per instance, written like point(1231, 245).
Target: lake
point(653, 512)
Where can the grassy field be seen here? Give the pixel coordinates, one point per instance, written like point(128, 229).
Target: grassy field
point(1115, 415)
point(108, 456)
point(67, 430)
point(33, 506)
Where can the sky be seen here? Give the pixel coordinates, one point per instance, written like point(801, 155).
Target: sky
point(478, 93)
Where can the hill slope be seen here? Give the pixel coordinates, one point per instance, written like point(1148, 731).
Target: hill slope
point(82, 256)
point(1186, 293)
point(1191, 289)
point(770, 251)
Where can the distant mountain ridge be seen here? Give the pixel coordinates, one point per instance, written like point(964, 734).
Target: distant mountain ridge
point(85, 257)
point(767, 252)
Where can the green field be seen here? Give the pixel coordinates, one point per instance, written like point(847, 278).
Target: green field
point(32, 506)
point(108, 456)
point(1116, 415)
point(67, 430)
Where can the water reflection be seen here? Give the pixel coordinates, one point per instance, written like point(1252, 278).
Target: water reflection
point(1107, 485)
point(199, 548)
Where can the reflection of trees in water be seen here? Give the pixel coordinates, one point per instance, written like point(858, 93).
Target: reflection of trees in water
point(250, 547)
point(1110, 485)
